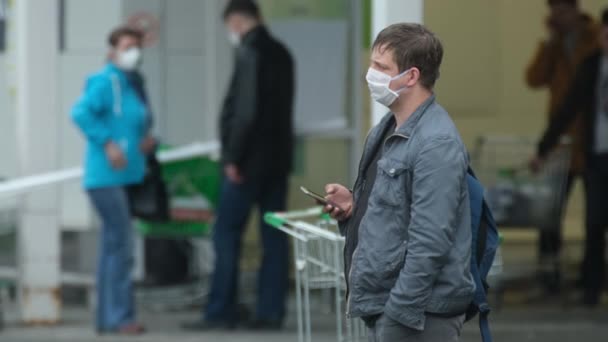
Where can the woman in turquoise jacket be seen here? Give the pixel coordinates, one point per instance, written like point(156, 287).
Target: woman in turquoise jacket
point(114, 118)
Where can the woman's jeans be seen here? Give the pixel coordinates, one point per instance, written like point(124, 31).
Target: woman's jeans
point(115, 305)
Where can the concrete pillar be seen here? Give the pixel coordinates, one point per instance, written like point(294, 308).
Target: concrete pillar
point(385, 13)
point(35, 43)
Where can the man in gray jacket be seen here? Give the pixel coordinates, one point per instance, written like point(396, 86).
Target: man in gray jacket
point(407, 221)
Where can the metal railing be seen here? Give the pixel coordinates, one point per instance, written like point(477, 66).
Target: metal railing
point(28, 184)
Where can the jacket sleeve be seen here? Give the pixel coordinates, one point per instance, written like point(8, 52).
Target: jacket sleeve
point(89, 110)
point(580, 90)
point(243, 107)
point(438, 178)
point(227, 116)
point(540, 71)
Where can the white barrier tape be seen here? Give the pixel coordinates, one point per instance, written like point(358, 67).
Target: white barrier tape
point(26, 184)
point(193, 150)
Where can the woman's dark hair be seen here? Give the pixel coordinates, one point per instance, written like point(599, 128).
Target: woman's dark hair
point(123, 31)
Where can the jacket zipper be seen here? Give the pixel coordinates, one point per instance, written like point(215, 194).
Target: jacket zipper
point(359, 174)
point(363, 184)
point(348, 315)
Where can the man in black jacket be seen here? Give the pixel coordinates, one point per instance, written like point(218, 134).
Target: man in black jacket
point(257, 141)
point(588, 95)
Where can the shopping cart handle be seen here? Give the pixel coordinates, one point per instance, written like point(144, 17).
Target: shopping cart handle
point(274, 220)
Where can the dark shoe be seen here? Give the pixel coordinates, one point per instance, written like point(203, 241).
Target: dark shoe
point(243, 312)
point(266, 325)
point(551, 283)
point(133, 329)
point(591, 299)
point(208, 326)
point(550, 276)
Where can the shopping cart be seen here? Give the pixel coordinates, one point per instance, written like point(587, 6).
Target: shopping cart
point(194, 186)
point(318, 266)
point(518, 197)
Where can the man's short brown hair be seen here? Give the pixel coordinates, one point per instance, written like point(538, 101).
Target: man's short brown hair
point(413, 45)
point(123, 31)
point(243, 7)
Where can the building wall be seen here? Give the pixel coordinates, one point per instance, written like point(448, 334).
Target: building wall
point(186, 71)
point(83, 53)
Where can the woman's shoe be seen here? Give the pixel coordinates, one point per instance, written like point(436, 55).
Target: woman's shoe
point(132, 329)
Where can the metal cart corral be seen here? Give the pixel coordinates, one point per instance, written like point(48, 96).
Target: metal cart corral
point(318, 265)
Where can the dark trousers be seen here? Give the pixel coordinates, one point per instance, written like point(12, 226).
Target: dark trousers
point(435, 330)
point(550, 238)
point(235, 204)
point(596, 184)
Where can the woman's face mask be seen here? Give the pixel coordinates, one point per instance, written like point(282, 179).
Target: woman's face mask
point(379, 86)
point(129, 59)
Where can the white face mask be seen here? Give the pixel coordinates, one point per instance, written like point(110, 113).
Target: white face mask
point(379, 86)
point(234, 38)
point(130, 59)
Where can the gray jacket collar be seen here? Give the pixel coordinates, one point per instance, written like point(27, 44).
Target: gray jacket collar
point(410, 124)
point(374, 138)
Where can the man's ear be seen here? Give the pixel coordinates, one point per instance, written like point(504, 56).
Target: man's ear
point(412, 78)
point(406, 81)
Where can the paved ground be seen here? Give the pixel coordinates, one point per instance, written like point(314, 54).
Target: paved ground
point(539, 323)
point(517, 322)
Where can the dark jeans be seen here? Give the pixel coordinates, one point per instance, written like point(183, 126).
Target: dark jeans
point(234, 207)
point(115, 304)
point(596, 184)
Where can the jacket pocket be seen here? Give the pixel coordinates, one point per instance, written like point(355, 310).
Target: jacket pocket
point(390, 182)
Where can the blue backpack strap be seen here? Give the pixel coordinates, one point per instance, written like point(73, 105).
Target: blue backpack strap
point(482, 237)
point(480, 212)
point(484, 327)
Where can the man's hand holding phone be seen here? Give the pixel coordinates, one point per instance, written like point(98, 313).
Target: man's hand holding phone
point(339, 202)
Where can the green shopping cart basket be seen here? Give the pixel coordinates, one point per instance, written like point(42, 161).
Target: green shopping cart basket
point(194, 187)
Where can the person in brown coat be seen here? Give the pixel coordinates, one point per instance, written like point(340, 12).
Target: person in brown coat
point(573, 36)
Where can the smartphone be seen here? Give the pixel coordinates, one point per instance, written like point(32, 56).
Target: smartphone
point(320, 199)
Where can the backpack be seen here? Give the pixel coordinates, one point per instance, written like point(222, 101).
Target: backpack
point(484, 245)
